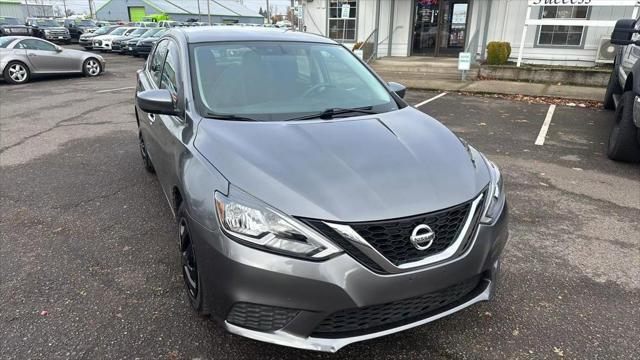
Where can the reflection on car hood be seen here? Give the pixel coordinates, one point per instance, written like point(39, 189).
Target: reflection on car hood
point(372, 167)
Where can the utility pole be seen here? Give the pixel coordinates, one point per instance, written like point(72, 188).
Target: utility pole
point(64, 5)
point(90, 9)
point(26, 4)
point(199, 13)
point(209, 11)
point(268, 13)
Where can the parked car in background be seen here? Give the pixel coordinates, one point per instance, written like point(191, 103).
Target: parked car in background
point(104, 23)
point(315, 208)
point(144, 45)
point(144, 24)
point(623, 93)
point(104, 42)
point(11, 26)
point(77, 27)
point(128, 45)
point(116, 44)
point(86, 40)
point(48, 29)
point(168, 23)
point(24, 57)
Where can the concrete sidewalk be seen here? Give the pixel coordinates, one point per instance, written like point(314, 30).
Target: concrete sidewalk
point(507, 87)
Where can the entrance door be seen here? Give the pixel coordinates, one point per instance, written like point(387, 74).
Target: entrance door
point(425, 27)
point(136, 13)
point(440, 27)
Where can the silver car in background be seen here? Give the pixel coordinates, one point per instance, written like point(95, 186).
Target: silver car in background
point(22, 57)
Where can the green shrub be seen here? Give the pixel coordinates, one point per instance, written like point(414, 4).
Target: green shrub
point(498, 52)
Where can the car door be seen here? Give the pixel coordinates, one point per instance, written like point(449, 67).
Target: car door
point(44, 56)
point(149, 79)
point(168, 129)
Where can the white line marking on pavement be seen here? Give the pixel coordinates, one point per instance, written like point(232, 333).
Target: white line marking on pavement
point(545, 126)
point(118, 89)
point(430, 100)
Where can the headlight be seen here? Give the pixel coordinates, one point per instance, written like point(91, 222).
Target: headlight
point(256, 224)
point(47, 31)
point(496, 196)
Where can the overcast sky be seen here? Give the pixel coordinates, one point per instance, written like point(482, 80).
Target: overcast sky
point(82, 6)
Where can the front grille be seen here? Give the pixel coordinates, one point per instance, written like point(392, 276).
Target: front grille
point(368, 319)
point(391, 238)
point(57, 33)
point(260, 317)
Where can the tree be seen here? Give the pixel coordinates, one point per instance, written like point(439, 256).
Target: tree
point(70, 12)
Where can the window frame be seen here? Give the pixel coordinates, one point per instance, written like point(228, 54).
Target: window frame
point(178, 101)
point(150, 74)
point(329, 19)
point(565, 46)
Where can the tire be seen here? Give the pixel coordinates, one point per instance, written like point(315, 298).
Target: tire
point(91, 67)
point(613, 88)
point(146, 160)
point(623, 144)
point(16, 72)
point(189, 264)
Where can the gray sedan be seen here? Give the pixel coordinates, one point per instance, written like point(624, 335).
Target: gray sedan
point(22, 57)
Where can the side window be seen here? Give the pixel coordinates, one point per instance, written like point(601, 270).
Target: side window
point(32, 44)
point(156, 61)
point(169, 78)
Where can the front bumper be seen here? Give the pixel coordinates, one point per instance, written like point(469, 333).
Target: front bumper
point(87, 43)
point(235, 274)
point(101, 45)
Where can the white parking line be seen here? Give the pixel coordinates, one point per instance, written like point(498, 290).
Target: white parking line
point(430, 100)
point(118, 89)
point(545, 126)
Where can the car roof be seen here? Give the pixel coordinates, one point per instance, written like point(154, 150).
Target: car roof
point(246, 33)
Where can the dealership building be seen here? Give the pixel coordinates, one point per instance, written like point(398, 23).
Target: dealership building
point(222, 11)
point(558, 32)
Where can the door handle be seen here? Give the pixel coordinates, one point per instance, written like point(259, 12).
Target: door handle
point(152, 118)
point(31, 54)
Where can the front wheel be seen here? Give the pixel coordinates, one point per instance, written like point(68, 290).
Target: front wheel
point(623, 139)
point(91, 67)
point(190, 272)
point(16, 73)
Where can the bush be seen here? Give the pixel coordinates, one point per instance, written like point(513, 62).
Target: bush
point(498, 52)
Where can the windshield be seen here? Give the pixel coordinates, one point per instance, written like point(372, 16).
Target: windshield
point(5, 41)
point(151, 32)
point(119, 31)
point(87, 23)
point(102, 31)
point(9, 21)
point(138, 32)
point(47, 23)
point(282, 81)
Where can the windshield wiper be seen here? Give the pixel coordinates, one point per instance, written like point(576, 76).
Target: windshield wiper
point(332, 112)
point(211, 115)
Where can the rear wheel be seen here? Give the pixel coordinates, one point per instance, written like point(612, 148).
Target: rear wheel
point(623, 139)
point(91, 67)
point(16, 73)
point(613, 88)
point(190, 273)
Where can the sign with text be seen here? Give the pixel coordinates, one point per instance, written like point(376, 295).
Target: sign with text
point(464, 61)
point(585, 2)
point(346, 10)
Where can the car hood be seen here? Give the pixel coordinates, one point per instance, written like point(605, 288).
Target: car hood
point(376, 167)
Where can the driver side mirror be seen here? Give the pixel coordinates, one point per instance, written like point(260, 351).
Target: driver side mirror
point(156, 102)
point(623, 32)
point(59, 48)
point(397, 88)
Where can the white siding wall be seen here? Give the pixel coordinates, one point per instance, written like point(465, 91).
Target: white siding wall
point(507, 21)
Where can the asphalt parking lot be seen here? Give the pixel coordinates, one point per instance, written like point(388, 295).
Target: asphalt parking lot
point(89, 264)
